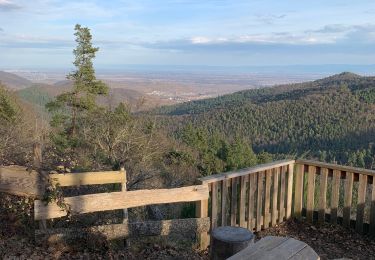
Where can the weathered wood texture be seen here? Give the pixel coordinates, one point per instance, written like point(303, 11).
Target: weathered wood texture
point(323, 195)
point(202, 212)
point(348, 199)
point(277, 248)
point(247, 171)
point(275, 192)
point(227, 241)
point(18, 180)
point(214, 204)
point(337, 167)
point(233, 204)
point(362, 188)
point(88, 178)
point(126, 230)
point(310, 193)
point(335, 195)
point(120, 200)
point(298, 193)
point(251, 203)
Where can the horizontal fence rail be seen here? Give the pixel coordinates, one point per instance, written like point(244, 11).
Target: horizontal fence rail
point(88, 178)
point(18, 180)
point(119, 200)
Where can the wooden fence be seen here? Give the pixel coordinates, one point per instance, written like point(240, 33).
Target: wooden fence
point(256, 198)
point(265, 195)
point(122, 200)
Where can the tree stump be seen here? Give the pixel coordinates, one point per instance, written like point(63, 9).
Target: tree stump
point(227, 241)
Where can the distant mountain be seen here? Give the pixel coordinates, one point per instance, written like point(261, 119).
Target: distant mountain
point(12, 81)
point(331, 118)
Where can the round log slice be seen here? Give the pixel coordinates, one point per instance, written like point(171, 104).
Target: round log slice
point(227, 241)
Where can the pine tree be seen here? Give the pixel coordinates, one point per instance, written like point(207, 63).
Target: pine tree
point(72, 105)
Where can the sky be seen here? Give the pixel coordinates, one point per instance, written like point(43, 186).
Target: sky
point(39, 33)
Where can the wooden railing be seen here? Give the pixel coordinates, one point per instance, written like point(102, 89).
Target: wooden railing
point(255, 198)
point(121, 200)
point(268, 194)
point(337, 194)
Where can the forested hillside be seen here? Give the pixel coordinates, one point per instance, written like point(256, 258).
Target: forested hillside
point(331, 119)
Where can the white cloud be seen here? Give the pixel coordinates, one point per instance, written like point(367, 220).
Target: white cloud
point(7, 5)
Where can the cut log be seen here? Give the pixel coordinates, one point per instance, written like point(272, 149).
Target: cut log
point(227, 241)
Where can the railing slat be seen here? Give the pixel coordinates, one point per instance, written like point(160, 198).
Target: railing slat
point(335, 195)
point(214, 206)
point(224, 194)
point(259, 201)
point(275, 192)
point(323, 195)
point(310, 193)
point(282, 195)
point(348, 198)
point(233, 204)
point(372, 213)
point(243, 201)
point(361, 202)
point(250, 220)
point(266, 209)
point(298, 193)
point(289, 191)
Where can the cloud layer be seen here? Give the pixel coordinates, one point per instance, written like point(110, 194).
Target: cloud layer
point(212, 32)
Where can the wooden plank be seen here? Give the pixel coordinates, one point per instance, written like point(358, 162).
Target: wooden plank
point(281, 207)
point(310, 193)
point(214, 204)
point(361, 202)
point(242, 208)
point(348, 198)
point(224, 195)
point(252, 188)
point(123, 189)
point(88, 178)
point(335, 195)
point(337, 167)
point(201, 211)
point(372, 212)
point(135, 229)
point(120, 200)
point(233, 204)
point(298, 193)
point(275, 192)
point(19, 181)
point(265, 244)
point(323, 195)
point(247, 171)
point(289, 191)
point(267, 195)
point(259, 200)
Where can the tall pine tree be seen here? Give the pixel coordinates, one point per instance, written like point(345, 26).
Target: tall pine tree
point(72, 105)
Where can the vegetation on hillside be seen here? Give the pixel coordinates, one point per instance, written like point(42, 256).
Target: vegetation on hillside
point(331, 119)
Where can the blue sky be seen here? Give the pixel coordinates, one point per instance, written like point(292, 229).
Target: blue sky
point(39, 33)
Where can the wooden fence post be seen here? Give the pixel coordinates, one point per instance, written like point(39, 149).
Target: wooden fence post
point(37, 165)
point(201, 211)
point(125, 211)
